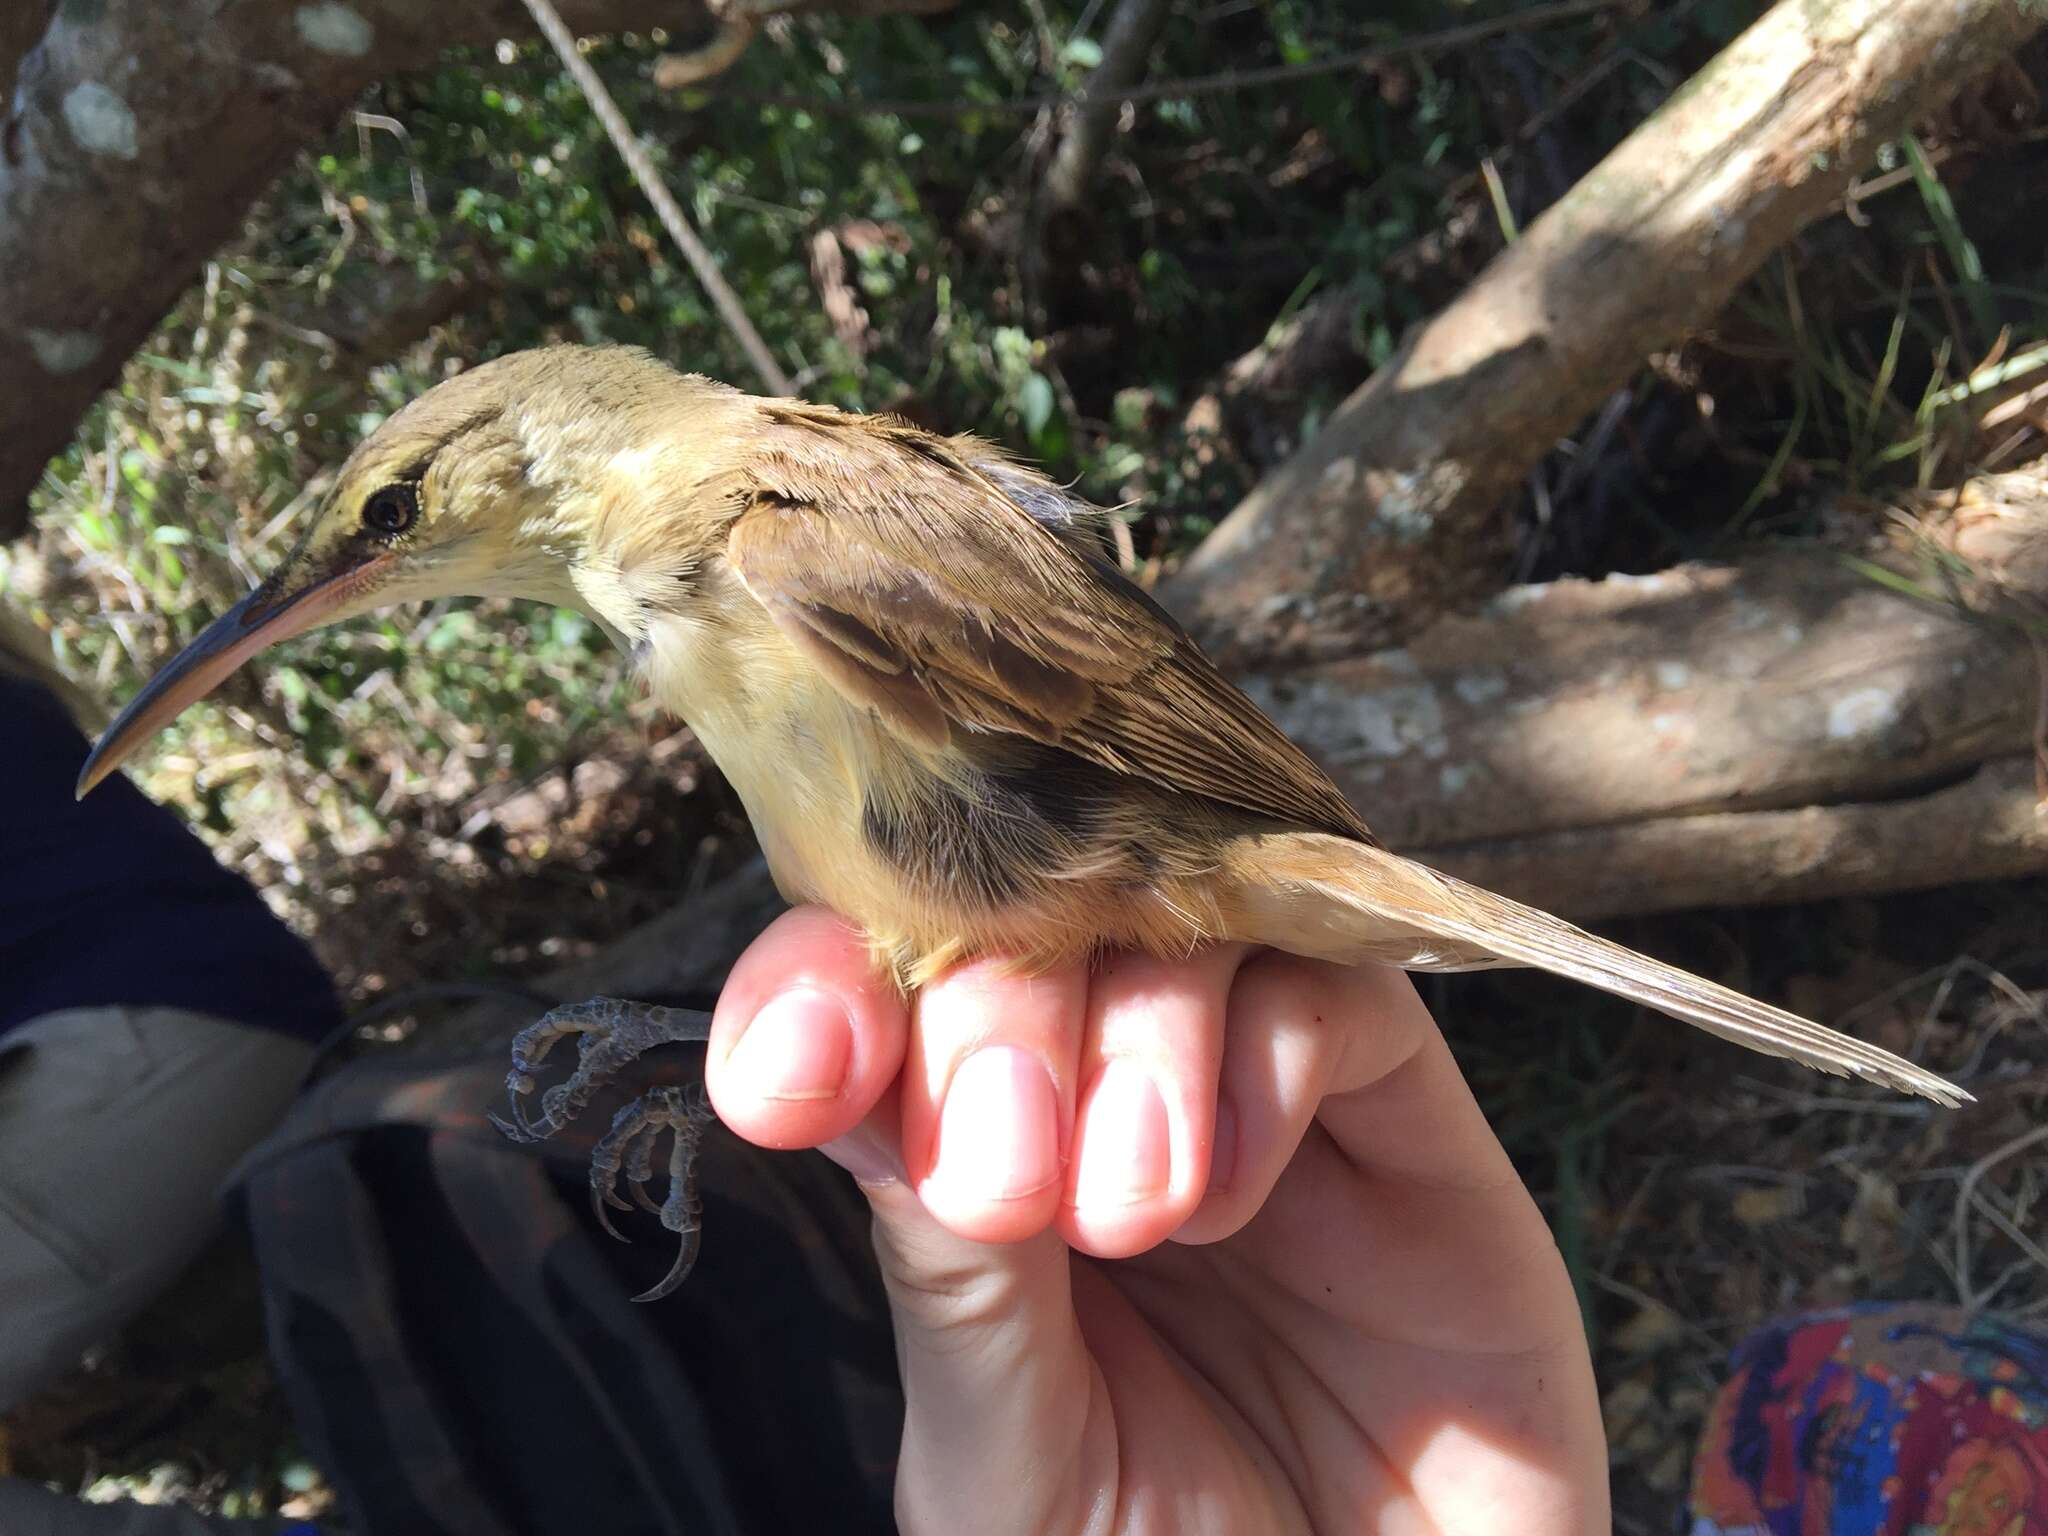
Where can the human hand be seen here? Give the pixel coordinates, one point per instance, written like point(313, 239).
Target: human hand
point(1333, 1306)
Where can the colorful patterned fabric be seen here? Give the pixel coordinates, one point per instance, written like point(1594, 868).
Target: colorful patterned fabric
point(1878, 1420)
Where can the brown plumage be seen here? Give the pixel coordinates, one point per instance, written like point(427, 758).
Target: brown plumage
point(948, 717)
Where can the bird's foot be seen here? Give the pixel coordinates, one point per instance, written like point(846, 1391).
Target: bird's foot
point(630, 1144)
point(611, 1034)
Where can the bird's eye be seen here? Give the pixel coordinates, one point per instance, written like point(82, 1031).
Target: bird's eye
point(392, 509)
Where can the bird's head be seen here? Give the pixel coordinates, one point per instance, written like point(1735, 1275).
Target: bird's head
point(494, 483)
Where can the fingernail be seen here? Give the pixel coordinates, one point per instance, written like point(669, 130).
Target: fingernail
point(798, 1047)
point(1223, 1148)
point(1126, 1150)
point(868, 1155)
point(999, 1130)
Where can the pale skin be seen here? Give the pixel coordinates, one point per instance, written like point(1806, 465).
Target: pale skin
point(1221, 1244)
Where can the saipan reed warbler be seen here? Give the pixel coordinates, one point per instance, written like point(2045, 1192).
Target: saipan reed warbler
point(949, 717)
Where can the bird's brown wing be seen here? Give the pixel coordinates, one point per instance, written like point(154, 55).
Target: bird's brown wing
point(937, 584)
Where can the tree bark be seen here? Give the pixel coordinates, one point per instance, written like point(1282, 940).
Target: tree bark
point(1988, 826)
point(139, 133)
point(1391, 513)
point(1793, 678)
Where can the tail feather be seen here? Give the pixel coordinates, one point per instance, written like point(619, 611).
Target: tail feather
point(1399, 895)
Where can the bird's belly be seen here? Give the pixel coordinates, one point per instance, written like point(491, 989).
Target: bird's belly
point(1033, 859)
point(938, 871)
point(788, 747)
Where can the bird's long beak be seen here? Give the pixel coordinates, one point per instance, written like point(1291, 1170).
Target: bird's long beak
point(267, 615)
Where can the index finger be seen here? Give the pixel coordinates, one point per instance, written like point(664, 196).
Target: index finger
point(1420, 1275)
point(1397, 1102)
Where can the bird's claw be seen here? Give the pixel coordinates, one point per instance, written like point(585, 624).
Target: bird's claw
point(611, 1033)
point(629, 1144)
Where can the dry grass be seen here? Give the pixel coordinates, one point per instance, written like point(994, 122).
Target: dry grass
point(1699, 1191)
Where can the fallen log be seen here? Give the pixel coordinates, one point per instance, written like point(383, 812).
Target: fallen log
point(1788, 680)
point(1391, 513)
point(1988, 826)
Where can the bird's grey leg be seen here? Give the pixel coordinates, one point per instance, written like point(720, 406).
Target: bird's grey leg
point(611, 1033)
point(683, 1211)
point(630, 1143)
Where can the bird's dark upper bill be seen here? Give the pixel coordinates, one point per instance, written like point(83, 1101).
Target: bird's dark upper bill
point(262, 618)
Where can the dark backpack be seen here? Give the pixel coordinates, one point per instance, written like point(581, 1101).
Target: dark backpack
point(455, 1336)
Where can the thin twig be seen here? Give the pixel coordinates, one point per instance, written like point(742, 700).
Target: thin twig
point(1965, 1203)
point(1644, 1299)
point(678, 71)
point(628, 145)
point(1194, 85)
point(365, 121)
point(2035, 1255)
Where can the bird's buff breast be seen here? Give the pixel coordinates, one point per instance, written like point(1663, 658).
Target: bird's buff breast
point(762, 719)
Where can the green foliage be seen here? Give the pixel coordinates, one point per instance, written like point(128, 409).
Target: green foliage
point(1872, 355)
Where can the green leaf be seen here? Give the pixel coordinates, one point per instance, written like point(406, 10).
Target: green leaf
point(1035, 402)
point(1962, 253)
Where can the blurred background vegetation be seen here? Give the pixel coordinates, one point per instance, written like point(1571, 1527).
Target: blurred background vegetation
point(866, 188)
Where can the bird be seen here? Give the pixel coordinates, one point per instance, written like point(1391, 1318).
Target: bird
point(948, 714)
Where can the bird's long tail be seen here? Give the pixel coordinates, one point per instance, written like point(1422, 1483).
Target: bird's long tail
point(1346, 900)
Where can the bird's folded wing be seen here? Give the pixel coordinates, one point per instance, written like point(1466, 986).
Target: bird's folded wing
point(944, 588)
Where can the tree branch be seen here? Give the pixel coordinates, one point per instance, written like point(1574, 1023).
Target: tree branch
point(1126, 47)
point(656, 191)
point(1391, 513)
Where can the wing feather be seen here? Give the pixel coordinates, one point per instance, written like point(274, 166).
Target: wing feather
point(953, 591)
